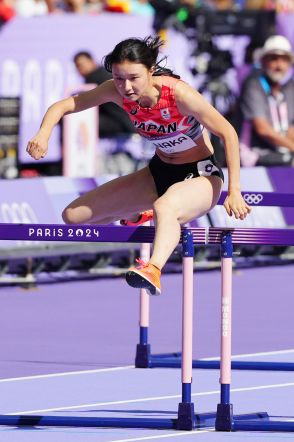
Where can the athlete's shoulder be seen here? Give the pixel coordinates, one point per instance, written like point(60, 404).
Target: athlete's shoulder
point(169, 81)
point(184, 91)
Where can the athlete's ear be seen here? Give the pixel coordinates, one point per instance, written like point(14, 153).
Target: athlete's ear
point(152, 70)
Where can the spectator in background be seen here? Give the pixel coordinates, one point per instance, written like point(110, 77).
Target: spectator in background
point(7, 11)
point(28, 8)
point(276, 5)
point(136, 7)
point(221, 5)
point(75, 6)
point(53, 5)
point(113, 121)
point(267, 104)
point(95, 6)
point(280, 5)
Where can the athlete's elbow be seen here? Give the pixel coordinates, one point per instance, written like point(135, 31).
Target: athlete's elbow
point(229, 136)
point(224, 129)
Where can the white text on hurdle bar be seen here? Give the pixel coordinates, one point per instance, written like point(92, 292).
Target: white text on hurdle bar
point(59, 232)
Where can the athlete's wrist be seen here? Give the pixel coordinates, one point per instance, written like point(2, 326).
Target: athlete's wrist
point(44, 132)
point(234, 189)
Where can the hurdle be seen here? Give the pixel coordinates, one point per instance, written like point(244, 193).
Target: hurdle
point(225, 420)
point(186, 417)
point(145, 359)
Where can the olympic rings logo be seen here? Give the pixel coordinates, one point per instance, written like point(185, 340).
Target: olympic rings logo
point(253, 198)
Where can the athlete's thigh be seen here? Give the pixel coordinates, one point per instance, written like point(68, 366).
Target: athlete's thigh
point(119, 197)
point(193, 198)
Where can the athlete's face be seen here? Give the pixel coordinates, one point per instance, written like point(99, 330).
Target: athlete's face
point(131, 79)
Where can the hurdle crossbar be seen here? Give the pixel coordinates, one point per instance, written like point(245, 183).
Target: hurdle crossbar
point(90, 233)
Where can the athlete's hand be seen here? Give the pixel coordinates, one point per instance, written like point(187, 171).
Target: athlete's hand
point(38, 146)
point(235, 205)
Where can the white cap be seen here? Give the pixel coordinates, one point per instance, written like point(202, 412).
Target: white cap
point(277, 44)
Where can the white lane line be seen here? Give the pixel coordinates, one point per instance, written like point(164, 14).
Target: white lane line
point(127, 367)
point(69, 373)
point(246, 355)
point(164, 436)
point(149, 399)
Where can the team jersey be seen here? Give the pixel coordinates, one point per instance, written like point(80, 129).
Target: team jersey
point(163, 126)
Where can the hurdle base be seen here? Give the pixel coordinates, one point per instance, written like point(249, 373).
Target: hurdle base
point(276, 426)
point(226, 421)
point(92, 422)
point(224, 417)
point(143, 359)
point(186, 416)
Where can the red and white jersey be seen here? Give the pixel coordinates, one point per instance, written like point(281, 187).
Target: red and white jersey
point(163, 126)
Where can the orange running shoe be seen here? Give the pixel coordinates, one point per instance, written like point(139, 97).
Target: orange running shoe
point(143, 218)
point(145, 276)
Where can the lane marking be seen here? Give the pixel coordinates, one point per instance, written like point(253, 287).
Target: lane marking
point(149, 399)
point(246, 355)
point(69, 373)
point(163, 436)
point(127, 367)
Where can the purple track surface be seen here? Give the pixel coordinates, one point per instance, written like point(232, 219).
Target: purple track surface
point(93, 325)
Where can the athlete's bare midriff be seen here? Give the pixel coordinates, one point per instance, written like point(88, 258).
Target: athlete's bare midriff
point(203, 149)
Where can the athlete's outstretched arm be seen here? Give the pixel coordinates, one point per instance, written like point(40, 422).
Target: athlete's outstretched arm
point(191, 102)
point(38, 145)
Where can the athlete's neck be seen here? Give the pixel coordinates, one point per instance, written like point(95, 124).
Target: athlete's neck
point(150, 98)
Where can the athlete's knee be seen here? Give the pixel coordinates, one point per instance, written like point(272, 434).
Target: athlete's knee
point(164, 206)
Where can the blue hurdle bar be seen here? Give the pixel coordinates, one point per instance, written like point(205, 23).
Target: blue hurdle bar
point(206, 419)
point(170, 361)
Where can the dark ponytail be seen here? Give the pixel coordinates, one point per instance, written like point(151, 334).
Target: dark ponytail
point(144, 51)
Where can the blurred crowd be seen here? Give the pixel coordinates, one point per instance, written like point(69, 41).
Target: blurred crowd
point(27, 8)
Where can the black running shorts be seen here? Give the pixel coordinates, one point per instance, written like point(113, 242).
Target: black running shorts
point(165, 174)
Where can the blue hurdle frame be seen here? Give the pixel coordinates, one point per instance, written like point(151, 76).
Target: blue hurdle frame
point(186, 419)
point(145, 359)
point(225, 420)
